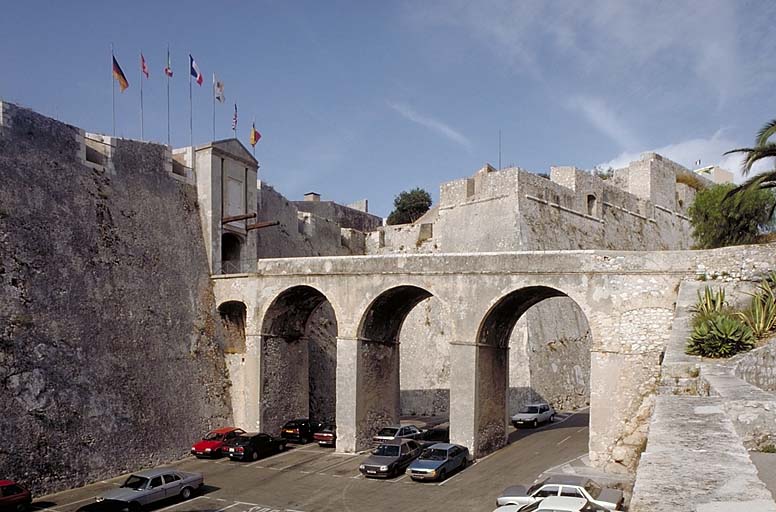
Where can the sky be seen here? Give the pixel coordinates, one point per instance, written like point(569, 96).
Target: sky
point(364, 99)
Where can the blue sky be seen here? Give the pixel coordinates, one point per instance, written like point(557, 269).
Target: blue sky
point(366, 98)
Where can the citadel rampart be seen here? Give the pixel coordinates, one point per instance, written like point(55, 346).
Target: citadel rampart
point(109, 342)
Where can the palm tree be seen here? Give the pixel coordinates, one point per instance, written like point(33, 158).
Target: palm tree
point(762, 149)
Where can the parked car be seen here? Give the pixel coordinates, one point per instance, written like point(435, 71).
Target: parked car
point(14, 497)
point(327, 436)
point(254, 445)
point(533, 414)
point(562, 485)
point(152, 485)
point(107, 506)
point(438, 461)
point(390, 458)
point(301, 430)
point(555, 504)
point(392, 432)
point(213, 443)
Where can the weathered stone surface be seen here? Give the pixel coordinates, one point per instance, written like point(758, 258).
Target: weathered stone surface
point(109, 343)
point(695, 461)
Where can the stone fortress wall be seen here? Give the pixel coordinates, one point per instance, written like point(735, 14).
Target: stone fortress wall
point(110, 347)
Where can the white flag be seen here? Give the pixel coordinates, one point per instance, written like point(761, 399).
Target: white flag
point(218, 89)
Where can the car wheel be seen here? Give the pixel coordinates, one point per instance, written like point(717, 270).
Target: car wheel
point(442, 475)
point(281, 447)
point(21, 507)
point(552, 418)
point(254, 455)
point(535, 423)
point(186, 493)
point(134, 506)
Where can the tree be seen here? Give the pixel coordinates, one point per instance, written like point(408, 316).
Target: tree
point(409, 206)
point(719, 219)
point(762, 149)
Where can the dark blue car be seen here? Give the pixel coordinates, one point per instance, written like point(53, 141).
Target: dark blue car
point(439, 460)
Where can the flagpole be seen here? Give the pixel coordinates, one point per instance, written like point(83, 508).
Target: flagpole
point(214, 106)
point(112, 90)
point(141, 96)
point(191, 113)
point(168, 98)
point(253, 127)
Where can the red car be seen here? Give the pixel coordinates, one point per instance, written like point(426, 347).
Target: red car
point(326, 436)
point(13, 497)
point(212, 444)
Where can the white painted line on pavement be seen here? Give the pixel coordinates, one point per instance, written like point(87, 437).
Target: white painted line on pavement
point(563, 440)
point(340, 463)
point(582, 429)
point(281, 454)
point(443, 482)
point(400, 478)
point(66, 504)
point(227, 507)
point(35, 507)
point(179, 504)
point(562, 464)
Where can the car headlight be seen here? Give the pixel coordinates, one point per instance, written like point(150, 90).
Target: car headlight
point(432, 472)
point(207, 449)
point(99, 498)
point(193, 449)
point(361, 466)
point(383, 468)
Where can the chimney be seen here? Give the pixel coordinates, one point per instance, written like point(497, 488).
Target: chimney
point(312, 196)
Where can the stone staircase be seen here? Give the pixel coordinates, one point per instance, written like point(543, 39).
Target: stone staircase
point(679, 373)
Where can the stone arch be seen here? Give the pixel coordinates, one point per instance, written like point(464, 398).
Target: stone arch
point(231, 253)
point(378, 397)
point(298, 358)
point(493, 338)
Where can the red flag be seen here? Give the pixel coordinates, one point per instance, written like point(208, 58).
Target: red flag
point(255, 135)
point(143, 66)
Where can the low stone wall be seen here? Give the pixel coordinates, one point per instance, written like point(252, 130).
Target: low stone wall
point(758, 367)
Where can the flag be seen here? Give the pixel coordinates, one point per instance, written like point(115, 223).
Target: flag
point(195, 70)
point(697, 162)
point(118, 74)
point(143, 66)
point(255, 135)
point(218, 88)
point(168, 67)
point(234, 118)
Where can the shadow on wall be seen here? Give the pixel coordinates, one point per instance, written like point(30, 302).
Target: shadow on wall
point(425, 402)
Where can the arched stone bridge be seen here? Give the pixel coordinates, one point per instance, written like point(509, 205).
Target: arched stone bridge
point(627, 297)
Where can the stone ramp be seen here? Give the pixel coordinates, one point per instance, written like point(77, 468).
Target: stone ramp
point(695, 461)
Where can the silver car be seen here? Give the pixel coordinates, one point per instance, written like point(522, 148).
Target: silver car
point(533, 414)
point(154, 485)
point(562, 485)
point(392, 432)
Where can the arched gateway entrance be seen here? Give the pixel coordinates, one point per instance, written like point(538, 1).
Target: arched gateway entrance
point(298, 359)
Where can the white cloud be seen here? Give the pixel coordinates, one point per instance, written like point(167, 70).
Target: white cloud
point(441, 128)
point(605, 119)
point(709, 151)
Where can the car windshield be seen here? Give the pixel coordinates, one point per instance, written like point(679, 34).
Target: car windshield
point(433, 454)
point(386, 450)
point(530, 409)
point(593, 489)
point(213, 436)
point(388, 432)
point(135, 482)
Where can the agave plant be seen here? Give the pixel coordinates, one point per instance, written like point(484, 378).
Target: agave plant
point(711, 301)
point(761, 315)
point(720, 335)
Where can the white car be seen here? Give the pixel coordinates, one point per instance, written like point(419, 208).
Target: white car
point(555, 504)
point(533, 414)
point(562, 486)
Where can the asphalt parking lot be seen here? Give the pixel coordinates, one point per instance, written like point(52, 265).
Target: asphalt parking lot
point(309, 478)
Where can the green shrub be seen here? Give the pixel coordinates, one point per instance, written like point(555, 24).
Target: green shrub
point(768, 448)
point(720, 335)
point(718, 222)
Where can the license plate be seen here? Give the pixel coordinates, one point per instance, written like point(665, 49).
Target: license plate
point(231, 450)
point(371, 472)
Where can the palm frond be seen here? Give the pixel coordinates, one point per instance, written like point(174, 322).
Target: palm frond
point(753, 155)
point(765, 133)
point(764, 180)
